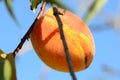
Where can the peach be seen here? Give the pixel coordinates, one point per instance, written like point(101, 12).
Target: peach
point(46, 41)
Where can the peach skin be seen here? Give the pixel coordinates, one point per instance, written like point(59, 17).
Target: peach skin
point(46, 41)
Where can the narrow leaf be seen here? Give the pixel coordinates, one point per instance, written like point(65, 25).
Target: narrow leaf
point(94, 9)
point(8, 4)
point(1, 68)
point(1, 51)
point(11, 59)
point(7, 67)
point(58, 4)
point(2, 60)
point(7, 70)
point(34, 4)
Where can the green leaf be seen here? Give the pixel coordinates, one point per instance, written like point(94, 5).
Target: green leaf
point(58, 4)
point(1, 51)
point(1, 65)
point(1, 68)
point(11, 59)
point(7, 70)
point(94, 9)
point(34, 4)
point(8, 4)
point(7, 67)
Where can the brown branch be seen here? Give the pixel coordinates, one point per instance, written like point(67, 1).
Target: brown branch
point(56, 14)
point(26, 36)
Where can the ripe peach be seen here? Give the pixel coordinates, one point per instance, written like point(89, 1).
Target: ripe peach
point(45, 38)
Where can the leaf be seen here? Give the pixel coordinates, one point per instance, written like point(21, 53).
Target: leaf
point(1, 51)
point(58, 3)
point(2, 54)
point(1, 68)
point(7, 70)
point(11, 59)
point(7, 67)
point(94, 9)
point(8, 4)
point(34, 4)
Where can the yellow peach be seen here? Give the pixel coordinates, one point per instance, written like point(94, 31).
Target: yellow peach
point(46, 41)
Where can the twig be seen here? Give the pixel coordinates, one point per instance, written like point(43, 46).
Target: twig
point(56, 14)
point(26, 36)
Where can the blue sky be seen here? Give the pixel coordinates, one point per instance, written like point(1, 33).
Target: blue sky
point(30, 67)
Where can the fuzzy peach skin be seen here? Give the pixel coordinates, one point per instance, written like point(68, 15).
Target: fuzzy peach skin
point(46, 41)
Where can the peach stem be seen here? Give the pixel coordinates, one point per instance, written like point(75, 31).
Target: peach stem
point(56, 14)
point(26, 36)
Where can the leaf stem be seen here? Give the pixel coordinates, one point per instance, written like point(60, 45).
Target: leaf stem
point(26, 36)
point(56, 14)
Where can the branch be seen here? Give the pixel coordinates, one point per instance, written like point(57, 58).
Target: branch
point(56, 14)
point(26, 36)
